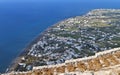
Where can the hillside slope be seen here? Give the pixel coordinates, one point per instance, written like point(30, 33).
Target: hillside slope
point(102, 63)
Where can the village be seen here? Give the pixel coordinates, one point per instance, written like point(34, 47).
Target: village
point(73, 38)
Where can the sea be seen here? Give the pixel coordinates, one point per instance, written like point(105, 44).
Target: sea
point(21, 21)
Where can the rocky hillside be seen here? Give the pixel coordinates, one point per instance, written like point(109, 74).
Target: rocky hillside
point(102, 63)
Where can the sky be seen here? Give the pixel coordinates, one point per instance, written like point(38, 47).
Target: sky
point(58, 0)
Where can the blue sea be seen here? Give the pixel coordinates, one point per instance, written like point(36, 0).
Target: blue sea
point(23, 20)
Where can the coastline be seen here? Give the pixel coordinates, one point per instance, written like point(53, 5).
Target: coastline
point(35, 40)
point(24, 51)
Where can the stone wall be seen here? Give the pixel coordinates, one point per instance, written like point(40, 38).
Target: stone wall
point(82, 66)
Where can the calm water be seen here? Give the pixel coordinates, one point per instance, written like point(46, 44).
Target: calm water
point(21, 21)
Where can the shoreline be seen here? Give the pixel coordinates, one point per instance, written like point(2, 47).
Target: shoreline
point(35, 40)
point(24, 51)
